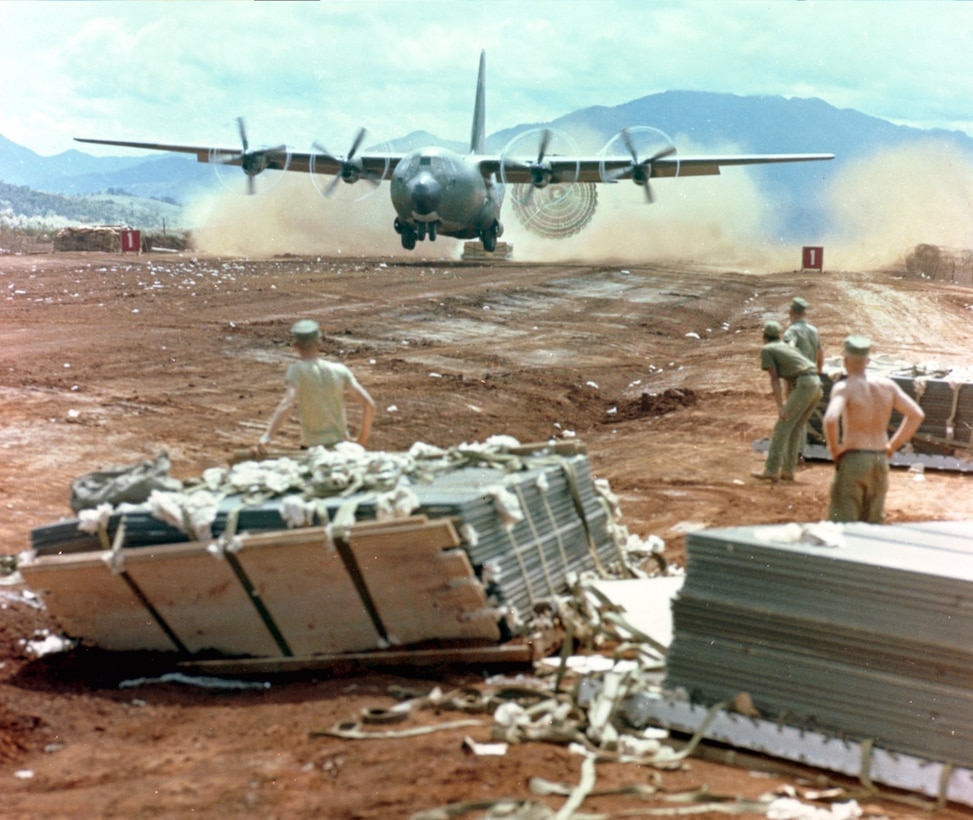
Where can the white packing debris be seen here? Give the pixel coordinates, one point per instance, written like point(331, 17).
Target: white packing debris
point(686, 527)
point(511, 715)
point(24, 596)
point(422, 450)
point(214, 477)
point(297, 512)
point(787, 808)
point(94, 520)
point(485, 749)
point(469, 534)
point(507, 505)
point(399, 503)
point(500, 441)
point(601, 711)
point(191, 680)
point(588, 664)
point(190, 513)
point(44, 643)
point(638, 747)
point(821, 534)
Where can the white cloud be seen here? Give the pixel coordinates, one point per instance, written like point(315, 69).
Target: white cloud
point(183, 71)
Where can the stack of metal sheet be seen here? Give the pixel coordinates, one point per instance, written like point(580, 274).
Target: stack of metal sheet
point(565, 526)
point(868, 638)
point(948, 404)
point(945, 396)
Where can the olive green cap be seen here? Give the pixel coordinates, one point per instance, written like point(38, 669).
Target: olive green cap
point(857, 345)
point(772, 329)
point(798, 305)
point(306, 331)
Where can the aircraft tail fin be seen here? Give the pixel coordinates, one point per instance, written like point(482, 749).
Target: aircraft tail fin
point(479, 110)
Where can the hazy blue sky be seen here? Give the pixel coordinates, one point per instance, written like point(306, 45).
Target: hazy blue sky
point(182, 71)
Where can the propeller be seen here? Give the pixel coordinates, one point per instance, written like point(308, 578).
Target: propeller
point(540, 170)
point(350, 167)
point(640, 169)
point(252, 162)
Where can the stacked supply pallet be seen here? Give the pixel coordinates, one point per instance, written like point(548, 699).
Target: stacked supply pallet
point(944, 440)
point(864, 634)
point(947, 400)
point(520, 529)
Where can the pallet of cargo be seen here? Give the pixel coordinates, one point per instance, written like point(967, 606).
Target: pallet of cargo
point(489, 534)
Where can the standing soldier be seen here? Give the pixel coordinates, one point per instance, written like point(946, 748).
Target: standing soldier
point(803, 335)
point(784, 363)
point(856, 427)
point(317, 388)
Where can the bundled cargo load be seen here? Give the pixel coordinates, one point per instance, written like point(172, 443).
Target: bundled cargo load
point(328, 551)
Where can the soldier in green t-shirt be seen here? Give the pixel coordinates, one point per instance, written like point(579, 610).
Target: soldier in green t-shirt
point(317, 388)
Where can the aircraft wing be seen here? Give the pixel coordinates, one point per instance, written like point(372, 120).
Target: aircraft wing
point(610, 169)
point(277, 158)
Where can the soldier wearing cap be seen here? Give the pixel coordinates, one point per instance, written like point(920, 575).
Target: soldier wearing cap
point(317, 388)
point(856, 428)
point(786, 364)
point(803, 335)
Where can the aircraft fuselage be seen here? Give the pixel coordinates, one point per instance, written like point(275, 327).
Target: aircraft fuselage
point(436, 191)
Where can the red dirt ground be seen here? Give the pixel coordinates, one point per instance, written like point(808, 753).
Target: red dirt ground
point(108, 359)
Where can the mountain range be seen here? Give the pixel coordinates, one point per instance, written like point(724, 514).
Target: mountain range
point(707, 121)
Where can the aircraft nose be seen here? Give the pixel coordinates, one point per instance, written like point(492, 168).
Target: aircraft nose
point(426, 193)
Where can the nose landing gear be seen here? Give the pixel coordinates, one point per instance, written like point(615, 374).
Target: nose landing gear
point(411, 234)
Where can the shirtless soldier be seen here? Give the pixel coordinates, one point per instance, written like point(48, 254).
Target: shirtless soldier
point(861, 406)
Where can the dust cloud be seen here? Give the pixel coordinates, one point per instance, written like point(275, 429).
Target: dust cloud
point(885, 205)
point(289, 215)
point(878, 208)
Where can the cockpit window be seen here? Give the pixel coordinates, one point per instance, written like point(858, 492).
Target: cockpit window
point(436, 163)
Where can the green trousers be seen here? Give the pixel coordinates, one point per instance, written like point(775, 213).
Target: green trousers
point(861, 480)
point(788, 437)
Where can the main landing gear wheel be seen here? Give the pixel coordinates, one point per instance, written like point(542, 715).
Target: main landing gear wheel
point(490, 235)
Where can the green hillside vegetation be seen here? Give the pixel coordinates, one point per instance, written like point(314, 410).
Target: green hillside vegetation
point(22, 208)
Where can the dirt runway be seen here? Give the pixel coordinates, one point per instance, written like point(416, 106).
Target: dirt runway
point(110, 359)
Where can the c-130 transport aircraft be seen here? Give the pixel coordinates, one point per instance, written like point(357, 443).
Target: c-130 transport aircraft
point(437, 192)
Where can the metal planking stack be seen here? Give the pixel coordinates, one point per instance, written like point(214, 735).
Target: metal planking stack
point(948, 404)
point(867, 640)
point(565, 527)
point(945, 397)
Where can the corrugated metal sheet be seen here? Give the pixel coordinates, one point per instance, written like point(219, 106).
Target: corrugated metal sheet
point(871, 639)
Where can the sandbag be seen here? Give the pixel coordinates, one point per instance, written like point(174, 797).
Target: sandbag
point(132, 484)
